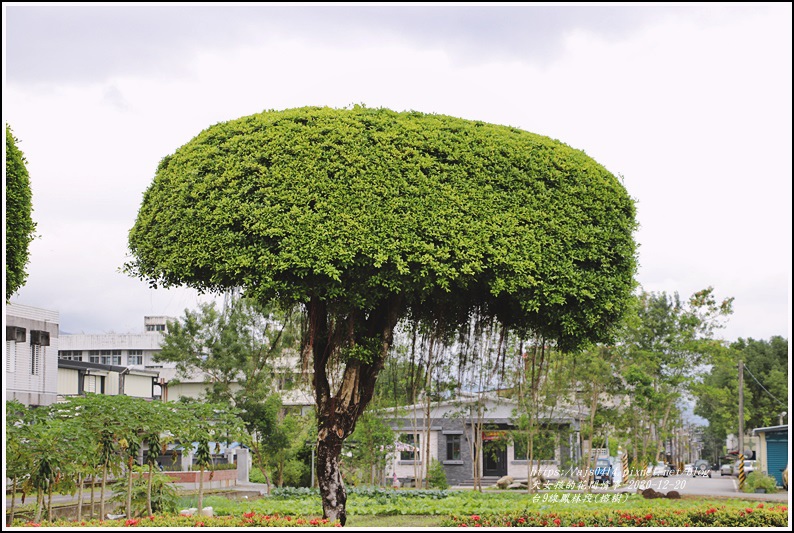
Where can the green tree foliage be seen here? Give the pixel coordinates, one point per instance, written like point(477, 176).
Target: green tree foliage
point(667, 344)
point(374, 441)
point(236, 349)
point(764, 394)
point(197, 424)
point(241, 351)
point(19, 223)
point(366, 216)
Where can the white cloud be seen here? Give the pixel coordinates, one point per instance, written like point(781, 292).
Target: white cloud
point(691, 106)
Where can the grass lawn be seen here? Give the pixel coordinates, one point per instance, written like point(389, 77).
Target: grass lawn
point(391, 521)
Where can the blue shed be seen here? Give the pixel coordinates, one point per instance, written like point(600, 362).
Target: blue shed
point(774, 446)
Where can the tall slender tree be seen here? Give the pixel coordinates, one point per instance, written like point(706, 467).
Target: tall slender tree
point(20, 227)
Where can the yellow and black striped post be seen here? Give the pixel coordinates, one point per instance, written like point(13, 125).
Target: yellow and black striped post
point(741, 471)
point(625, 466)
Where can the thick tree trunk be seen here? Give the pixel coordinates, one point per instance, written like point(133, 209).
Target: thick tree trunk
point(338, 411)
point(329, 477)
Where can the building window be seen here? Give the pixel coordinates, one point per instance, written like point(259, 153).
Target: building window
point(409, 447)
point(134, 357)
point(155, 327)
point(35, 359)
point(93, 356)
point(71, 355)
point(286, 381)
point(110, 357)
point(11, 356)
point(453, 447)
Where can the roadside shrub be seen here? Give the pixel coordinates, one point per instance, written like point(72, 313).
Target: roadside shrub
point(758, 480)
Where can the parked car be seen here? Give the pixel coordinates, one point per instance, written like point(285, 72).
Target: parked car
point(603, 472)
point(749, 466)
point(701, 468)
point(726, 469)
point(660, 469)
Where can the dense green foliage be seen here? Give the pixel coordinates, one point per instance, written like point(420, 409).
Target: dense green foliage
point(717, 515)
point(764, 399)
point(353, 205)
point(19, 223)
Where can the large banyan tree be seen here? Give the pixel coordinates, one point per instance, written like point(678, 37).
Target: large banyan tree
point(365, 217)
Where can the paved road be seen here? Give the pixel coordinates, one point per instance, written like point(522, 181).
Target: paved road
point(717, 486)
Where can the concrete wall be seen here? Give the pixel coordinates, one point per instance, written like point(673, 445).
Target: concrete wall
point(41, 387)
point(138, 386)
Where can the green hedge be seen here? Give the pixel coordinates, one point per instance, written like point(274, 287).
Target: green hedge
point(246, 520)
point(761, 515)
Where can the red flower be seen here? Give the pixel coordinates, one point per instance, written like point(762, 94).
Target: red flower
point(131, 522)
point(748, 510)
point(760, 506)
point(556, 521)
point(648, 516)
point(249, 515)
point(521, 520)
point(475, 517)
point(581, 524)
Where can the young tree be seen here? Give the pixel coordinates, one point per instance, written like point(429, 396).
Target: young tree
point(366, 216)
point(238, 350)
point(198, 424)
point(765, 385)
point(18, 457)
point(20, 227)
point(667, 346)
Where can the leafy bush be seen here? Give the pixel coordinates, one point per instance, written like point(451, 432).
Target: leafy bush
point(221, 466)
point(436, 475)
point(164, 496)
point(758, 480)
point(224, 522)
point(702, 516)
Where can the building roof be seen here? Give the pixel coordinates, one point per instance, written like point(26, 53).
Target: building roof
point(81, 365)
point(771, 429)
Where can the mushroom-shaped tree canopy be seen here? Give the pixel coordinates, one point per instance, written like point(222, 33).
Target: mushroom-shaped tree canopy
point(366, 216)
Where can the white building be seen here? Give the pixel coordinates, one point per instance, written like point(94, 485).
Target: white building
point(137, 351)
point(131, 350)
point(31, 354)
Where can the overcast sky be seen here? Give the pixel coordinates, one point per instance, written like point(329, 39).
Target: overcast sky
point(690, 104)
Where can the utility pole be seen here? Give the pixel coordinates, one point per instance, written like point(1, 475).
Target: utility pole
point(741, 407)
point(741, 425)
